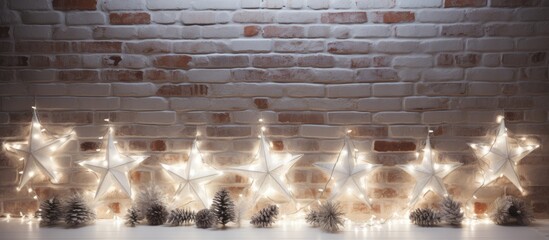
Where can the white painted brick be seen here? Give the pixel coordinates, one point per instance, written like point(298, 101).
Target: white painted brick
point(491, 60)
point(255, 45)
point(298, 46)
point(248, 90)
point(415, 30)
point(158, 117)
point(413, 61)
point(250, 3)
point(533, 14)
point(250, 16)
point(490, 74)
point(373, 4)
point(209, 75)
point(92, 61)
point(443, 74)
point(72, 33)
point(52, 89)
point(98, 103)
point(222, 31)
point(409, 74)
point(490, 44)
point(148, 103)
point(392, 89)
point(349, 117)
point(341, 32)
point(540, 43)
point(443, 117)
point(348, 90)
point(85, 18)
point(320, 131)
point(318, 31)
point(509, 29)
point(17, 103)
point(391, 46)
point(153, 31)
point(483, 89)
point(204, 17)
point(29, 5)
point(294, 4)
point(297, 17)
point(439, 15)
point(333, 75)
point(379, 104)
point(442, 45)
point(133, 61)
point(32, 32)
point(489, 14)
point(425, 103)
point(318, 4)
point(115, 32)
point(116, 5)
point(372, 31)
point(46, 18)
point(273, 4)
point(396, 117)
point(164, 17)
point(216, 4)
point(190, 32)
point(303, 90)
point(231, 104)
point(341, 4)
point(9, 17)
point(133, 89)
point(168, 4)
point(419, 3)
point(195, 103)
point(89, 89)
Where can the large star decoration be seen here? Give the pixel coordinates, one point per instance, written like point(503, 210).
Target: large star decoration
point(113, 169)
point(428, 174)
point(37, 152)
point(192, 177)
point(268, 171)
point(500, 157)
point(348, 173)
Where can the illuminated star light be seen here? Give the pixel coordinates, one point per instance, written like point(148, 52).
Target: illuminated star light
point(113, 169)
point(347, 173)
point(428, 174)
point(500, 158)
point(37, 152)
point(193, 176)
point(268, 172)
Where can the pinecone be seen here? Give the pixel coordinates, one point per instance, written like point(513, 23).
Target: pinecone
point(330, 217)
point(451, 211)
point(511, 210)
point(205, 219)
point(77, 211)
point(132, 217)
point(179, 217)
point(424, 217)
point(51, 212)
point(265, 217)
point(157, 214)
point(313, 218)
point(223, 207)
point(146, 198)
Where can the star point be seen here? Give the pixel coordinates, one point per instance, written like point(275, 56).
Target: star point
point(193, 176)
point(347, 173)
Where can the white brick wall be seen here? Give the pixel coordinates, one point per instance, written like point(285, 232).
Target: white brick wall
point(388, 69)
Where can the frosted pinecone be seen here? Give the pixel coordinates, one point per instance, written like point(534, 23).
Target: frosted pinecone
point(511, 210)
point(265, 217)
point(330, 217)
point(180, 217)
point(205, 219)
point(157, 214)
point(132, 217)
point(450, 211)
point(424, 217)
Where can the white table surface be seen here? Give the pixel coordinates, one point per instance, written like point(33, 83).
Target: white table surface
point(110, 229)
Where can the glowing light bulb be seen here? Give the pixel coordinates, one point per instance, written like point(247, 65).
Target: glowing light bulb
point(261, 120)
point(31, 173)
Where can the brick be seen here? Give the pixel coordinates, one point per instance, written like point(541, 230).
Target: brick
point(71, 5)
point(101, 47)
point(4, 32)
point(133, 89)
point(228, 61)
point(298, 46)
point(344, 17)
point(14, 61)
point(182, 90)
point(32, 32)
point(250, 3)
point(318, 4)
point(251, 45)
point(85, 18)
point(533, 14)
point(168, 4)
point(443, 117)
point(467, 60)
point(129, 18)
point(72, 33)
point(261, 103)
point(348, 90)
point(462, 30)
point(122, 75)
point(423, 103)
point(442, 45)
point(200, 47)
point(320, 131)
point(228, 131)
point(216, 4)
point(349, 118)
point(491, 74)
point(368, 4)
point(464, 3)
point(439, 15)
point(509, 29)
point(417, 31)
point(164, 17)
point(316, 61)
point(318, 31)
point(514, 3)
point(392, 89)
point(413, 61)
point(514, 59)
point(301, 117)
point(490, 44)
point(273, 61)
point(254, 17)
point(172, 61)
point(41, 18)
point(379, 104)
point(117, 5)
point(441, 89)
point(204, 17)
point(251, 31)
point(377, 75)
point(389, 46)
point(341, 32)
point(393, 17)
point(157, 117)
point(28, 5)
point(125, 32)
point(539, 43)
point(283, 32)
point(79, 75)
point(147, 47)
point(89, 89)
point(396, 117)
point(209, 75)
point(293, 17)
point(489, 15)
point(372, 31)
point(394, 146)
point(349, 47)
point(419, 4)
